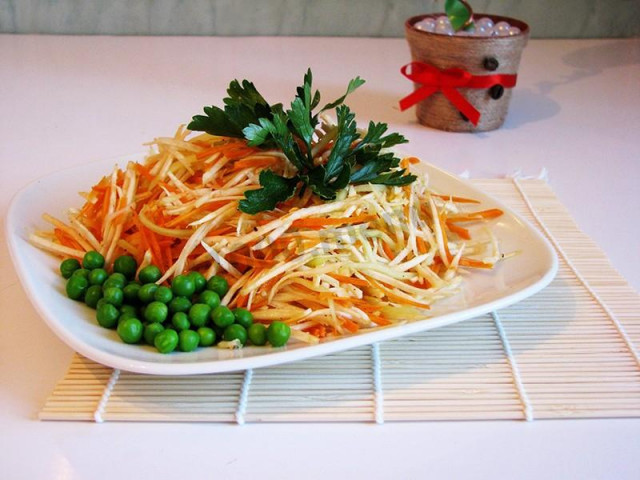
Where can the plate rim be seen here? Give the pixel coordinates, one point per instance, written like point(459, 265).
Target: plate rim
point(283, 356)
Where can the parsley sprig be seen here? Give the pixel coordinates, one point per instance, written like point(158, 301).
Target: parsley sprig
point(246, 114)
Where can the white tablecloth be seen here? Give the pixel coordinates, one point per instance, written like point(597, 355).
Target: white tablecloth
point(68, 100)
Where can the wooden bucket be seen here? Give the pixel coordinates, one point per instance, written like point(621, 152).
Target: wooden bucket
point(476, 55)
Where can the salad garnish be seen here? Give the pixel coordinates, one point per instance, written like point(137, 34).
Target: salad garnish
point(353, 159)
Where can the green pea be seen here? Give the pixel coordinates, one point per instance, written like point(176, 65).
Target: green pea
point(124, 316)
point(210, 298)
point(166, 341)
point(113, 295)
point(93, 294)
point(149, 274)
point(222, 316)
point(219, 285)
point(198, 280)
point(76, 287)
point(156, 312)
point(107, 315)
point(207, 336)
point(81, 272)
point(199, 314)
point(97, 276)
point(68, 266)
point(92, 259)
point(180, 321)
point(235, 332)
point(243, 317)
point(130, 292)
point(130, 309)
point(163, 294)
point(257, 334)
point(147, 292)
point(130, 330)
point(151, 330)
point(117, 280)
point(188, 340)
point(126, 265)
point(278, 334)
point(179, 304)
point(183, 286)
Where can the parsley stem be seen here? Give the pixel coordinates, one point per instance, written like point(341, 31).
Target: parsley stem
point(275, 153)
point(324, 140)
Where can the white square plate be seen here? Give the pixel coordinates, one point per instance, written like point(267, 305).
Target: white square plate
point(483, 291)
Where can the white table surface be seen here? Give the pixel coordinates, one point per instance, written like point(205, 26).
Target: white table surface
point(68, 100)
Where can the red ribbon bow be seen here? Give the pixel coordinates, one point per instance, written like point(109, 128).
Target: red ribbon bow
point(432, 80)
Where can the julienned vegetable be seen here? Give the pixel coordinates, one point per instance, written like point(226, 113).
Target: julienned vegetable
point(327, 261)
point(156, 306)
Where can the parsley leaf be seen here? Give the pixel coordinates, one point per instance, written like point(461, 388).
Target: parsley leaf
point(243, 106)
point(342, 145)
point(374, 164)
point(245, 94)
point(374, 136)
point(216, 122)
point(352, 159)
point(304, 92)
point(353, 84)
point(395, 178)
point(300, 117)
point(258, 134)
point(314, 178)
point(275, 189)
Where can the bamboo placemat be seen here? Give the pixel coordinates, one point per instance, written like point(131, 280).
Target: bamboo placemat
point(568, 351)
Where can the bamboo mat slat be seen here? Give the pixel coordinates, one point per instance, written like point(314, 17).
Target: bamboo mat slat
point(570, 351)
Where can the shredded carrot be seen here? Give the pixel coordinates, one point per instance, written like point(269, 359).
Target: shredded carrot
point(208, 152)
point(422, 246)
point(146, 244)
point(396, 298)
point(325, 222)
point(248, 261)
point(319, 331)
point(255, 163)
point(241, 301)
point(481, 215)
point(455, 199)
point(457, 229)
point(470, 262)
point(387, 250)
point(144, 172)
point(66, 240)
point(350, 325)
point(379, 320)
point(365, 304)
point(358, 282)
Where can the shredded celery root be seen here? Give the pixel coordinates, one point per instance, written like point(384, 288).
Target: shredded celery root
point(376, 256)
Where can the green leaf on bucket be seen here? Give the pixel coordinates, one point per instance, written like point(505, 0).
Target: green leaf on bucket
point(459, 13)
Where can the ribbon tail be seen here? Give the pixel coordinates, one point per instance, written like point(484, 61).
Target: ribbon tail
point(463, 105)
point(416, 96)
